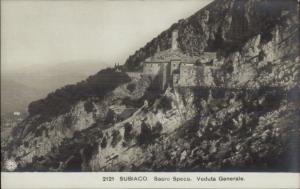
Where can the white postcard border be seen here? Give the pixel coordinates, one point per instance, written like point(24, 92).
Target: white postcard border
point(101, 180)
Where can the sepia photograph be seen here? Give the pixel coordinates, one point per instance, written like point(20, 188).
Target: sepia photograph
point(195, 86)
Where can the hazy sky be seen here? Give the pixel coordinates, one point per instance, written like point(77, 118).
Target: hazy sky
point(50, 32)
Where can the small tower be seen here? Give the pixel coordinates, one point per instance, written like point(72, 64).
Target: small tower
point(174, 39)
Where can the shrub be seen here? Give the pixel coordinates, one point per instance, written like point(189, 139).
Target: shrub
point(165, 104)
point(148, 135)
point(68, 120)
point(89, 150)
point(110, 117)
point(156, 130)
point(103, 143)
point(267, 68)
point(116, 138)
point(26, 144)
point(127, 132)
point(89, 106)
point(76, 134)
point(131, 87)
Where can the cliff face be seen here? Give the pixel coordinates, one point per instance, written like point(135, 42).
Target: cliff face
point(223, 25)
point(248, 119)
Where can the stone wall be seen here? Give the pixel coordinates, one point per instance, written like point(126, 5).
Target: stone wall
point(152, 68)
point(192, 75)
point(165, 75)
point(207, 78)
point(188, 75)
point(158, 70)
point(136, 75)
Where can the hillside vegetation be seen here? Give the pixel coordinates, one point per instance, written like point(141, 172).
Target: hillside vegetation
point(63, 99)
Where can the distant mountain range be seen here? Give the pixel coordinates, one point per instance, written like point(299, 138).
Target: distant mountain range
point(16, 96)
point(21, 86)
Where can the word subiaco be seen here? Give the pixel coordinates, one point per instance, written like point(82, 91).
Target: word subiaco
point(133, 178)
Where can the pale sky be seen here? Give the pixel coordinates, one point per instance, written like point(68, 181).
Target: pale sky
point(53, 31)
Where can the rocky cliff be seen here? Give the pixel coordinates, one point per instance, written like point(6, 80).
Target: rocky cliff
point(224, 25)
point(248, 120)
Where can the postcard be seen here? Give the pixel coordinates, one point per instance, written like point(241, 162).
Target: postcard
point(150, 94)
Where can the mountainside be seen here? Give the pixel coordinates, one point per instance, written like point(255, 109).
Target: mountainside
point(223, 25)
point(247, 120)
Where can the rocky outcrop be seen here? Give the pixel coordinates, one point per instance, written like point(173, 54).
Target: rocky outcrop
point(224, 26)
point(36, 137)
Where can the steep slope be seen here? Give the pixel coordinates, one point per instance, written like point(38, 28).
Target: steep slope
point(247, 120)
point(223, 25)
point(72, 108)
